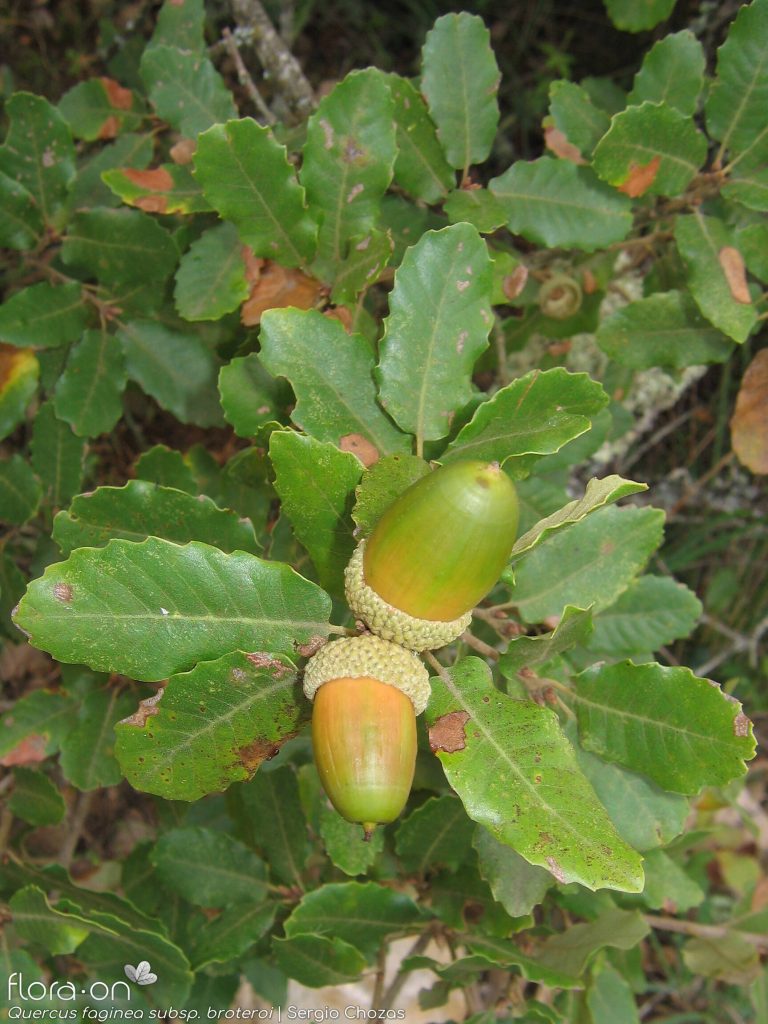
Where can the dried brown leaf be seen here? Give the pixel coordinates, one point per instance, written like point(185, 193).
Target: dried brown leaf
point(640, 177)
point(732, 263)
point(749, 424)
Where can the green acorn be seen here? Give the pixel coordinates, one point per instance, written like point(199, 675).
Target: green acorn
point(366, 694)
point(434, 554)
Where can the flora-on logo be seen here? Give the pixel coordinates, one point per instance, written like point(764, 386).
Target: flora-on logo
point(142, 974)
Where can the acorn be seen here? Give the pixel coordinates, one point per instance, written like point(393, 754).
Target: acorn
point(367, 693)
point(434, 554)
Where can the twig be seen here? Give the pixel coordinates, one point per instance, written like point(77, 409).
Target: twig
point(244, 78)
point(500, 344)
point(381, 970)
point(704, 931)
point(750, 643)
point(276, 59)
point(391, 993)
point(75, 829)
point(480, 646)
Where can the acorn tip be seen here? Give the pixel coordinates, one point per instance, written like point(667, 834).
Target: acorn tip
point(369, 827)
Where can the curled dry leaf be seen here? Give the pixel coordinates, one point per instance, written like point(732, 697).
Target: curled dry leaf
point(732, 263)
point(640, 177)
point(749, 424)
point(274, 286)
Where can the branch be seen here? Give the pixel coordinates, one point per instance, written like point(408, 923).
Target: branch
point(704, 931)
point(245, 79)
point(277, 60)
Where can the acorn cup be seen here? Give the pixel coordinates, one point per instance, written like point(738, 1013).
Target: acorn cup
point(434, 554)
point(367, 693)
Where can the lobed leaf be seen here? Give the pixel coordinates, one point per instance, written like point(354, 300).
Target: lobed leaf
point(557, 204)
point(362, 914)
point(517, 885)
point(210, 281)
point(460, 80)
point(378, 488)
point(87, 751)
point(528, 652)
point(651, 149)
point(176, 368)
point(20, 491)
point(598, 493)
point(43, 315)
point(151, 609)
point(21, 223)
point(19, 370)
point(517, 776)
point(209, 868)
point(330, 372)
point(348, 163)
point(535, 415)
point(437, 834)
point(35, 798)
point(632, 16)
point(701, 241)
point(246, 176)
point(576, 116)
point(38, 154)
point(672, 72)
point(589, 564)
point(438, 325)
point(212, 726)
point(735, 107)
point(251, 397)
point(652, 611)
point(664, 329)
point(316, 485)
point(89, 392)
point(317, 961)
point(185, 88)
point(101, 108)
point(140, 509)
point(420, 166)
point(232, 933)
point(57, 456)
point(272, 819)
point(681, 731)
point(169, 188)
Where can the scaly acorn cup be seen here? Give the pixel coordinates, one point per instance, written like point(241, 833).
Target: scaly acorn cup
point(434, 554)
point(367, 693)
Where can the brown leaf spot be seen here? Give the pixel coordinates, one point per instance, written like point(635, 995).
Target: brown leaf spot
point(607, 547)
point(558, 144)
point(275, 287)
point(514, 283)
point(556, 870)
point(183, 151)
point(312, 646)
point(360, 446)
point(588, 282)
point(732, 264)
point(146, 709)
point(749, 424)
point(447, 733)
point(460, 343)
point(741, 725)
point(640, 177)
point(327, 132)
point(157, 179)
point(110, 127)
point(152, 204)
point(30, 750)
point(354, 192)
point(462, 285)
point(341, 313)
point(260, 659)
point(352, 152)
point(256, 753)
point(119, 97)
point(62, 592)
